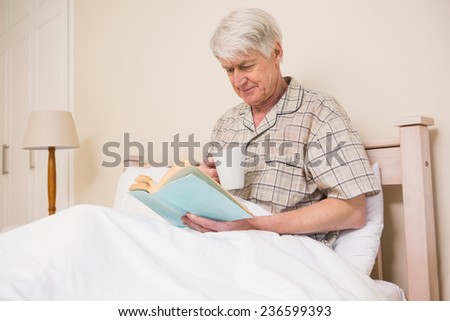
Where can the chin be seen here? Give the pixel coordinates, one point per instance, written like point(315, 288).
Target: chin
point(250, 99)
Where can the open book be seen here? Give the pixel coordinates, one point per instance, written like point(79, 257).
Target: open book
point(187, 189)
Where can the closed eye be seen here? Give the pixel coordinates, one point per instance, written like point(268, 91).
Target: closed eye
point(247, 67)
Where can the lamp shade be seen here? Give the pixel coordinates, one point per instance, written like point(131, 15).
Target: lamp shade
point(53, 128)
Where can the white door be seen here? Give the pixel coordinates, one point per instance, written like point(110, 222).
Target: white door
point(3, 116)
point(34, 71)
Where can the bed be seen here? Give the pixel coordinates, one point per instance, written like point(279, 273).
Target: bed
point(89, 252)
point(406, 161)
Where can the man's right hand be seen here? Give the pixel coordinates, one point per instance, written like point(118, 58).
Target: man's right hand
point(209, 168)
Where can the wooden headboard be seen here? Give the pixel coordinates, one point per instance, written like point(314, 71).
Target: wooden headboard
point(406, 161)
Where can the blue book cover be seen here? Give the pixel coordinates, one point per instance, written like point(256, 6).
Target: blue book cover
point(188, 190)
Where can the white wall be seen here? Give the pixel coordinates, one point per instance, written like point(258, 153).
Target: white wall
point(144, 67)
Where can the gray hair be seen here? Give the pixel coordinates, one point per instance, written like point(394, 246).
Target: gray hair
point(244, 31)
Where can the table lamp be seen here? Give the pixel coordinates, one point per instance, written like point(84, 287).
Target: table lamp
point(51, 130)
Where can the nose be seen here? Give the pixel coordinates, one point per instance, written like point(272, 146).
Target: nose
point(239, 78)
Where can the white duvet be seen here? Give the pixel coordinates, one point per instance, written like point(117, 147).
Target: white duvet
point(93, 253)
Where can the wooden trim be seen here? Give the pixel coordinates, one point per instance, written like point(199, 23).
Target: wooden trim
point(419, 213)
point(384, 143)
point(406, 161)
point(389, 161)
point(134, 161)
point(414, 120)
point(377, 272)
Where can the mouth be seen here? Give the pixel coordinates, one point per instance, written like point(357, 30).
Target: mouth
point(247, 90)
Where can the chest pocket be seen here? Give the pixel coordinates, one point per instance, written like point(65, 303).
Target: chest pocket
point(286, 154)
point(277, 160)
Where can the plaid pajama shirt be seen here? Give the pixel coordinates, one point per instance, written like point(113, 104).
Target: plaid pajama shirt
point(303, 151)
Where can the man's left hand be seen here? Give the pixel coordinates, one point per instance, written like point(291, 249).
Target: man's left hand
point(203, 224)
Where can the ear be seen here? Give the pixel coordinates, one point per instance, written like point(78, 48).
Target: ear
point(278, 52)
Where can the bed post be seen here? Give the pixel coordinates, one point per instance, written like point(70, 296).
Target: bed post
point(418, 208)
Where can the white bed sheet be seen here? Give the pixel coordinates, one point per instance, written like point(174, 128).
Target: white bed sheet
point(93, 253)
point(392, 291)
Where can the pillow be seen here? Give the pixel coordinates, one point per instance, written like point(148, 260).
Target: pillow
point(360, 247)
point(124, 202)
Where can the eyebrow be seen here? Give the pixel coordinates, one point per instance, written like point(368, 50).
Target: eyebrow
point(247, 62)
point(241, 64)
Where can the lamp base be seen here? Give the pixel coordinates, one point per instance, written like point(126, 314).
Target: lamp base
point(51, 181)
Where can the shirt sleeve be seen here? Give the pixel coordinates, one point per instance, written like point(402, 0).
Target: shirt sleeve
point(337, 163)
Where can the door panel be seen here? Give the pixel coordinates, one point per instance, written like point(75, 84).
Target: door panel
point(34, 37)
point(19, 108)
point(4, 157)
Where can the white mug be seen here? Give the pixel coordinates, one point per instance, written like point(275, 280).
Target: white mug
point(229, 165)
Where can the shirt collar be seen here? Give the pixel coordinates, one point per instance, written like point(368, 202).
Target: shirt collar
point(290, 102)
point(292, 98)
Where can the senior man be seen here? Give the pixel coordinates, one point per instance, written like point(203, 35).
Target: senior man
point(311, 169)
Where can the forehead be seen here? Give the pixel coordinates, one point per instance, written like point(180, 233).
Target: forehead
point(241, 59)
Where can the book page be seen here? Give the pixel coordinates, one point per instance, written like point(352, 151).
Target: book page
point(174, 173)
point(177, 172)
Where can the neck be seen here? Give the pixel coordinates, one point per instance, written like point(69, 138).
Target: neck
point(261, 110)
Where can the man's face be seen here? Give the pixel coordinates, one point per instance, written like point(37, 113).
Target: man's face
point(254, 77)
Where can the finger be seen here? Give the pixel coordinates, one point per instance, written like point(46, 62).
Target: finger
point(195, 226)
point(207, 223)
point(210, 162)
point(214, 175)
point(210, 171)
